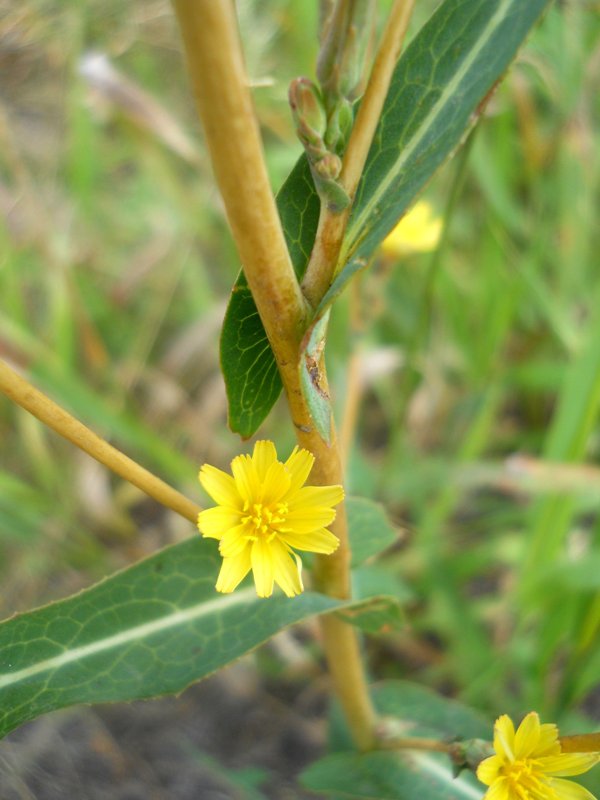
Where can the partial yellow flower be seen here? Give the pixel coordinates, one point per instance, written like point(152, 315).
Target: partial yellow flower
point(530, 765)
point(263, 512)
point(417, 232)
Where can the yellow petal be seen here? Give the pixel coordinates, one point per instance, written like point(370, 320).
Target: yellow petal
point(527, 736)
point(262, 567)
point(548, 744)
point(567, 790)
point(320, 541)
point(504, 737)
point(488, 770)
point(233, 571)
point(263, 455)
point(566, 764)
point(276, 483)
point(307, 520)
point(220, 486)
point(418, 232)
point(215, 522)
point(287, 569)
point(233, 542)
point(246, 479)
point(316, 496)
point(299, 465)
point(499, 790)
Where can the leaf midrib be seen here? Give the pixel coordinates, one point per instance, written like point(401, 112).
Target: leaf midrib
point(428, 764)
point(128, 636)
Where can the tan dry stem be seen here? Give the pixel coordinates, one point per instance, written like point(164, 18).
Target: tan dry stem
point(407, 743)
point(224, 101)
point(215, 62)
point(580, 743)
point(47, 411)
point(331, 575)
point(332, 226)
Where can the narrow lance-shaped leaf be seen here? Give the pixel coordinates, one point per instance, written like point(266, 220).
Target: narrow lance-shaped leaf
point(437, 91)
point(149, 630)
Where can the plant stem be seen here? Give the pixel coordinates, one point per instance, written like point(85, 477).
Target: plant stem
point(580, 743)
point(331, 575)
point(408, 743)
point(47, 411)
point(372, 102)
point(215, 62)
point(224, 102)
point(332, 226)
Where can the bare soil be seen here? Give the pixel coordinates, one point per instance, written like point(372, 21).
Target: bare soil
point(230, 737)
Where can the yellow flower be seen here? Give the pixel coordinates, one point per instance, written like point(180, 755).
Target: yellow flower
point(530, 765)
point(417, 232)
point(264, 511)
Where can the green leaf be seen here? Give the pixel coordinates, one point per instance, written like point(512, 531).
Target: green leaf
point(436, 94)
point(380, 615)
point(384, 595)
point(407, 775)
point(369, 529)
point(389, 776)
point(149, 630)
point(315, 393)
point(251, 375)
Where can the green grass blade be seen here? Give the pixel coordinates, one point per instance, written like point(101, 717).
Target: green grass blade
point(573, 423)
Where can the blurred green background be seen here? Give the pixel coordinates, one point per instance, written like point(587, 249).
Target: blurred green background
point(477, 367)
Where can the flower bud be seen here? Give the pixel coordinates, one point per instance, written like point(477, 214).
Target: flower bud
point(328, 167)
point(308, 112)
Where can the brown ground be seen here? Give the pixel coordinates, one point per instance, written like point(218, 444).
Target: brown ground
point(203, 745)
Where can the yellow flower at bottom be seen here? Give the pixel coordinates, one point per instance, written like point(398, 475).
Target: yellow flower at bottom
point(530, 765)
point(263, 512)
point(417, 232)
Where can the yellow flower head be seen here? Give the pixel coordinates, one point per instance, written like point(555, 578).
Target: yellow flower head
point(530, 765)
point(417, 232)
point(264, 511)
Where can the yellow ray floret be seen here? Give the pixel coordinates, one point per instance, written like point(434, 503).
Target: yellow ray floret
point(529, 763)
point(417, 232)
point(263, 511)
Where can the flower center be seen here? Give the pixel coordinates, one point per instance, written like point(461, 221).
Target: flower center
point(527, 782)
point(264, 520)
